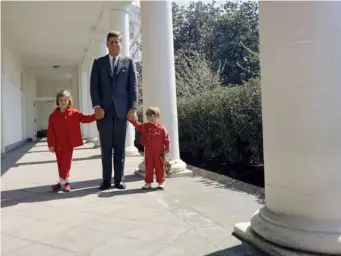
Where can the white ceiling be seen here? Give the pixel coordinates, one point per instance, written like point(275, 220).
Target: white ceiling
point(47, 33)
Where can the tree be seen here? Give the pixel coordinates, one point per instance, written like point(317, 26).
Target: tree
point(192, 26)
point(135, 49)
point(236, 42)
point(195, 76)
point(227, 34)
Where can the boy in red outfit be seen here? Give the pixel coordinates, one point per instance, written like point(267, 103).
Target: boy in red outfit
point(155, 139)
point(64, 134)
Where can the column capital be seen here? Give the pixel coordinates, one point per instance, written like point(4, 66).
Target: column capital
point(89, 57)
point(119, 10)
point(82, 68)
point(118, 6)
point(99, 35)
point(86, 64)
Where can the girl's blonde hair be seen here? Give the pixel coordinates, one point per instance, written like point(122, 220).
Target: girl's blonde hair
point(64, 93)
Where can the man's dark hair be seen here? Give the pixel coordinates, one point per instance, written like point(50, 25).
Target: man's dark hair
point(113, 34)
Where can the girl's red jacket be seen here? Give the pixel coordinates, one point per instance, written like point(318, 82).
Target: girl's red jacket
point(64, 128)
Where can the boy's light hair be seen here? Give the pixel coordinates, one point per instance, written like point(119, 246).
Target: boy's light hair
point(153, 111)
point(64, 93)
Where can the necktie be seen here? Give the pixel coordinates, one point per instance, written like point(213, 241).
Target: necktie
point(113, 67)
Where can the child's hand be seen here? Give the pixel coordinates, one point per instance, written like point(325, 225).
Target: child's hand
point(99, 112)
point(131, 116)
point(51, 149)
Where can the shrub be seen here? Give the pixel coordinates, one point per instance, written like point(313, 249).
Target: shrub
point(216, 123)
point(194, 75)
point(140, 114)
point(224, 124)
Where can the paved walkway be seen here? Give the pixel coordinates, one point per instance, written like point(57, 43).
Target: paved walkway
point(193, 216)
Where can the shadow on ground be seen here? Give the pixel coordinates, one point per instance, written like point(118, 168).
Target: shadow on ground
point(79, 189)
point(42, 151)
point(12, 157)
point(53, 161)
point(239, 250)
point(217, 180)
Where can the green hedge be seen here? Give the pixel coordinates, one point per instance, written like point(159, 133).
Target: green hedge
point(140, 114)
point(224, 124)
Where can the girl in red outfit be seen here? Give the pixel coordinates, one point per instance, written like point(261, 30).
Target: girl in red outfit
point(64, 134)
point(155, 139)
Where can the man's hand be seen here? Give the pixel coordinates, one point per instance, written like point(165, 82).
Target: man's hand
point(51, 149)
point(132, 114)
point(99, 113)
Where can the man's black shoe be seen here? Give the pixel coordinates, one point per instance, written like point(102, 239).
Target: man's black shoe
point(105, 185)
point(120, 185)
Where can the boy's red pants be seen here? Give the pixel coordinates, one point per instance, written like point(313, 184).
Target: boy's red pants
point(64, 160)
point(153, 162)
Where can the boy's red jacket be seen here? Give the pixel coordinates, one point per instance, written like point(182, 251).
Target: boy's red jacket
point(153, 136)
point(64, 128)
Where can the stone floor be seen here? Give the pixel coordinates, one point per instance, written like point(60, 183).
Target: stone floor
point(193, 216)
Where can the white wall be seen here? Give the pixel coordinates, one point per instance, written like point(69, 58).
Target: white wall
point(44, 109)
point(75, 88)
point(30, 95)
point(14, 100)
point(47, 87)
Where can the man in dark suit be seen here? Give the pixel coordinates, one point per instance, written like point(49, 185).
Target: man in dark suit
point(113, 90)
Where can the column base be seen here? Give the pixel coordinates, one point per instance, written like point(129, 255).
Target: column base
point(178, 169)
point(129, 151)
point(132, 151)
point(279, 234)
point(97, 144)
point(243, 231)
point(91, 139)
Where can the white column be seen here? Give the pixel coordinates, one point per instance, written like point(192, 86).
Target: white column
point(2, 113)
point(84, 96)
point(80, 99)
point(92, 127)
point(300, 57)
point(102, 50)
point(119, 21)
point(159, 87)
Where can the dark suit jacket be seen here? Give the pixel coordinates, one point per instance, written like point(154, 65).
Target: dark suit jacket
point(119, 89)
